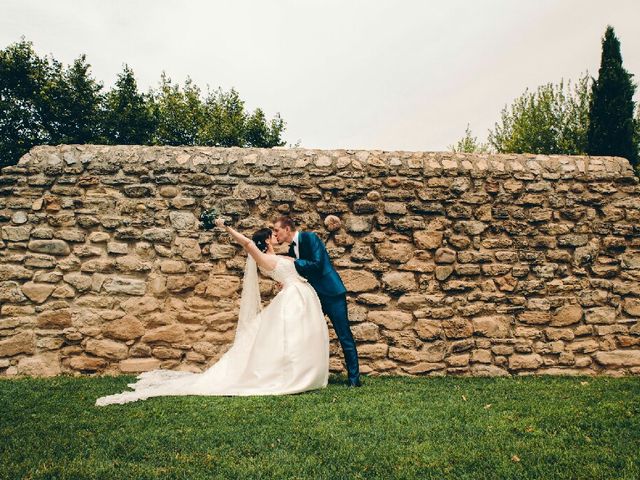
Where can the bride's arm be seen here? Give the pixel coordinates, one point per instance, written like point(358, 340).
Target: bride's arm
point(268, 262)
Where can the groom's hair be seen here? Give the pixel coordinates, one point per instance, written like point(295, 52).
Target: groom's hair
point(286, 221)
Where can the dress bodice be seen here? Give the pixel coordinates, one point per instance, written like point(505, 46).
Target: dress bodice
point(284, 272)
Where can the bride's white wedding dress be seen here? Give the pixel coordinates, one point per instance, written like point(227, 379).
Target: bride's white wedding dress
point(280, 350)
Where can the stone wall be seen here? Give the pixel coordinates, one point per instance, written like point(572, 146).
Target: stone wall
point(455, 264)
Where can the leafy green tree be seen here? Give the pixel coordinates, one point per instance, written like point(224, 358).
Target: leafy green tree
point(276, 128)
point(551, 120)
point(23, 81)
point(260, 133)
point(469, 144)
point(225, 118)
point(44, 102)
point(256, 129)
point(75, 100)
point(636, 136)
point(227, 124)
point(611, 124)
point(179, 113)
point(128, 115)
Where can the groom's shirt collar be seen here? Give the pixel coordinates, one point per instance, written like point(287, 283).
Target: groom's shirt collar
point(296, 239)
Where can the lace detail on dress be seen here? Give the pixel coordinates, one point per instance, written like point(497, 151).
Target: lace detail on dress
point(284, 272)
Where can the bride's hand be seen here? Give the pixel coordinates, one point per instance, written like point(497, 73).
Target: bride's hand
point(219, 222)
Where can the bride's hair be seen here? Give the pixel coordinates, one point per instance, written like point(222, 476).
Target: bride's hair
point(260, 239)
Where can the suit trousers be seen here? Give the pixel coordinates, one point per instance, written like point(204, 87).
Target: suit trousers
point(335, 307)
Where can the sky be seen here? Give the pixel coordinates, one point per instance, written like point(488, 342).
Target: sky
point(357, 74)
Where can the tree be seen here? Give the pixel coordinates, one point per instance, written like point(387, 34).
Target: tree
point(179, 113)
point(275, 132)
point(127, 114)
point(469, 144)
point(225, 119)
point(636, 136)
point(75, 100)
point(611, 124)
point(23, 80)
point(44, 102)
point(551, 120)
point(226, 124)
point(259, 133)
point(257, 130)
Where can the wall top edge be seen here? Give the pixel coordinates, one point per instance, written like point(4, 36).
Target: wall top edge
point(188, 157)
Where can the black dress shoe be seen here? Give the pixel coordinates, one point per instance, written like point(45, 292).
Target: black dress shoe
point(355, 384)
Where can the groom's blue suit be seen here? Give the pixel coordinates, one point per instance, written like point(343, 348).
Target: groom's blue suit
point(314, 265)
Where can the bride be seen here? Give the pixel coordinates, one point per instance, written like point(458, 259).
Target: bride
point(281, 349)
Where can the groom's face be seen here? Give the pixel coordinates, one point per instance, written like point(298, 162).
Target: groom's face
point(283, 234)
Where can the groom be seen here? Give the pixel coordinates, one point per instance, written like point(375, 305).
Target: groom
point(312, 262)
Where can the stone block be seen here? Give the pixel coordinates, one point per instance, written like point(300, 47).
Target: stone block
point(183, 221)
point(107, 349)
point(600, 315)
point(54, 319)
point(525, 362)
point(427, 240)
point(566, 315)
point(457, 327)
point(127, 286)
point(138, 365)
point(170, 333)
point(37, 292)
point(42, 365)
point(87, 363)
point(632, 306)
point(399, 282)
point(391, 319)
point(358, 224)
point(618, 358)
point(445, 255)
point(14, 272)
point(496, 326)
point(125, 328)
point(357, 281)
point(394, 252)
point(220, 286)
point(50, 247)
point(23, 342)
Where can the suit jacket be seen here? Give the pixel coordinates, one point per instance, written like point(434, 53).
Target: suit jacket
point(314, 265)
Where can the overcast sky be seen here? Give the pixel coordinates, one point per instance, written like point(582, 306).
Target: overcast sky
point(366, 74)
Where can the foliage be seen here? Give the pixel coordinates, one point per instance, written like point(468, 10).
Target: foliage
point(129, 116)
point(551, 120)
point(225, 119)
point(43, 102)
point(636, 137)
point(227, 124)
point(25, 100)
point(393, 427)
point(77, 105)
point(611, 126)
point(179, 112)
point(469, 144)
point(259, 133)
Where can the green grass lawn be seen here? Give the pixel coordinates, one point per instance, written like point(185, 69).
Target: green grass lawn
point(446, 427)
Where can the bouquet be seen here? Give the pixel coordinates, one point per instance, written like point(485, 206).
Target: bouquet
point(208, 218)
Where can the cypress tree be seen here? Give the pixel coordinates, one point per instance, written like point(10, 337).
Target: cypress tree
point(611, 126)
